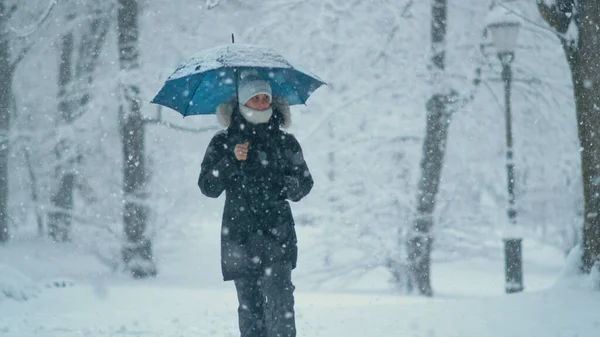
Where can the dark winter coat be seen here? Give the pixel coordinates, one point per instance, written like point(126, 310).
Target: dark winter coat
point(257, 225)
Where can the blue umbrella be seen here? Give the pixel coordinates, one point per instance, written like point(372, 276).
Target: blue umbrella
point(210, 78)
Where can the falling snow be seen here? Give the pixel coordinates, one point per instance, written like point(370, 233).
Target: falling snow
point(362, 137)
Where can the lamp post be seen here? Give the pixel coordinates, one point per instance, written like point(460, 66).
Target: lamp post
point(504, 35)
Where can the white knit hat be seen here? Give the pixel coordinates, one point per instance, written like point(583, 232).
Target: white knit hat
point(250, 86)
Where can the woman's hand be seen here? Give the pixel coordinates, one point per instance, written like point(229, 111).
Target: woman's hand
point(241, 151)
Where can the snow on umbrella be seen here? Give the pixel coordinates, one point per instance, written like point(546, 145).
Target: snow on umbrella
point(210, 78)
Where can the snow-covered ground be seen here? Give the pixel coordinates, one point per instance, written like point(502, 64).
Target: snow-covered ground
point(148, 310)
point(78, 296)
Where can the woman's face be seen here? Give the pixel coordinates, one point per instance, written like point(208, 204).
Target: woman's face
point(259, 102)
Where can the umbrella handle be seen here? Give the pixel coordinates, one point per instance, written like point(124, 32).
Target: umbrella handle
point(237, 85)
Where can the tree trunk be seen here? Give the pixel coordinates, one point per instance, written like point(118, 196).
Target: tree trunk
point(587, 98)
point(74, 83)
point(420, 239)
point(92, 41)
point(34, 193)
point(6, 78)
point(137, 253)
point(59, 218)
point(583, 57)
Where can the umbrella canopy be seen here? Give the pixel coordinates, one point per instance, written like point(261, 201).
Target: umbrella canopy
point(210, 78)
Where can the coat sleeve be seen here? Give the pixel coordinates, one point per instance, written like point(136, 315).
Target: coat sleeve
point(217, 168)
point(297, 179)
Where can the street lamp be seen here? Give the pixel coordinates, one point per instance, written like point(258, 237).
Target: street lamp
point(504, 31)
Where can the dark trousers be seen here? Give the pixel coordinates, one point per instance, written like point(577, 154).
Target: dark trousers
point(266, 303)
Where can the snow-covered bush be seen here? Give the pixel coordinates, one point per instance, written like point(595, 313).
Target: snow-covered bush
point(16, 285)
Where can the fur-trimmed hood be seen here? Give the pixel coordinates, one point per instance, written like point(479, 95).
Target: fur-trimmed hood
point(280, 106)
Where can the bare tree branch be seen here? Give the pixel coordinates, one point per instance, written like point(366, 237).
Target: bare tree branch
point(159, 121)
point(34, 192)
point(21, 56)
point(347, 273)
point(178, 127)
point(531, 80)
point(29, 31)
point(405, 12)
point(83, 218)
point(210, 4)
point(556, 29)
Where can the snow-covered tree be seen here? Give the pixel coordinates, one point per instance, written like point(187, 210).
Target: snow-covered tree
point(434, 147)
point(137, 253)
point(11, 39)
point(576, 24)
point(86, 25)
point(365, 129)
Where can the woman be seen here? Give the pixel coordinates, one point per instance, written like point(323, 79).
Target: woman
point(260, 167)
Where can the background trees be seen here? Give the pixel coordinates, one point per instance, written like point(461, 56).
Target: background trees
point(107, 181)
point(14, 46)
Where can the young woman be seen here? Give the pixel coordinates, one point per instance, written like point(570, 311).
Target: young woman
point(260, 167)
